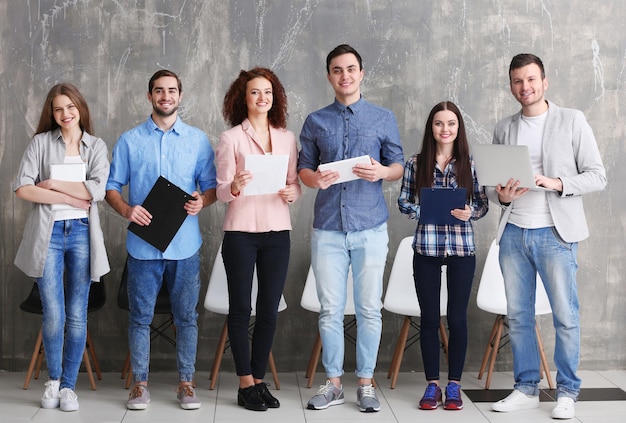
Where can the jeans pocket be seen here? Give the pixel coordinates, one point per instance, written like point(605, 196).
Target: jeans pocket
point(560, 241)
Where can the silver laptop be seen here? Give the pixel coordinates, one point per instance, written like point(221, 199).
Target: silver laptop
point(497, 163)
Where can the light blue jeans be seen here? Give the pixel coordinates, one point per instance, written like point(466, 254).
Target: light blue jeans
point(332, 253)
point(144, 283)
point(523, 253)
point(64, 322)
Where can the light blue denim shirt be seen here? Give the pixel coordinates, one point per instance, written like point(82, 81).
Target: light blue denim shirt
point(182, 155)
point(337, 132)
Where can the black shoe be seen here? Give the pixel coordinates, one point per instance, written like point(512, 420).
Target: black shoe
point(267, 395)
point(251, 399)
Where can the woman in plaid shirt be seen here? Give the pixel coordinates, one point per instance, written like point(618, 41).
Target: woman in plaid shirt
point(443, 162)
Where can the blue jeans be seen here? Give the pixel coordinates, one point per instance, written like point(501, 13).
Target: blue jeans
point(144, 283)
point(427, 277)
point(64, 322)
point(332, 253)
point(523, 253)
point(241, 251)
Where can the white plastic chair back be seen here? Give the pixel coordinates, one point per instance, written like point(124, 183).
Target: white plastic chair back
point(311, 302)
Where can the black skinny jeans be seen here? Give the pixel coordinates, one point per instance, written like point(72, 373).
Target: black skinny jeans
point(427, 276)
point(241, 251)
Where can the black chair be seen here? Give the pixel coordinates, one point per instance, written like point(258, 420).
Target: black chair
point(32, 304)
point(162, 306)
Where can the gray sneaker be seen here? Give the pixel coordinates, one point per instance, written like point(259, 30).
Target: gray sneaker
point(366, 399)
point(187, 398)
point(139, 398)
point(327, 395)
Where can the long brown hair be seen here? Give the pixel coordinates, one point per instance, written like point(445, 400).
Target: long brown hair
point(46, 120)
point(426, 159)
point(235, 110)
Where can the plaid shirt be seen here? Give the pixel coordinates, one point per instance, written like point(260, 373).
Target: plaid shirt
point(441, 240)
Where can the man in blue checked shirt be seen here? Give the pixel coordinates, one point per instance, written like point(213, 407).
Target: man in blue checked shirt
point(349, 226)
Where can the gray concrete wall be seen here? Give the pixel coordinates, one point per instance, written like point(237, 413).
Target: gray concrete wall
point(416, 53)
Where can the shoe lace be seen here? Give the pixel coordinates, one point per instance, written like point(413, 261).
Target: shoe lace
point(50, 389)
point(452, 391)
point(137, 392)
point(324, 389)
point(431, 391)
point(187, 391)
point(367, 391)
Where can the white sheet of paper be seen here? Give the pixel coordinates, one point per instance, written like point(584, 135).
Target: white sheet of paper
point(344, 167)
point(269, 173)
point(70, 172)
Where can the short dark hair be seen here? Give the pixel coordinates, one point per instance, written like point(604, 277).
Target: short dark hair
point(160, 74)
point(525, 59)
point(338, 51)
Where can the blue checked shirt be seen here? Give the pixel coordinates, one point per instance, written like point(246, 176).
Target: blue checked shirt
point(337, 132)
point(441, 240)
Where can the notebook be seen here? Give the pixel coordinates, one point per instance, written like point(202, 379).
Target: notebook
point(497, 163)
point(436, 204)
point(166, 203)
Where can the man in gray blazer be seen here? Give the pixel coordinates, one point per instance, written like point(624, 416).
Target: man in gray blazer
point(539, 231)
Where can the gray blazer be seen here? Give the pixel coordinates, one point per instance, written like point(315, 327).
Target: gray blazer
point(570, 152)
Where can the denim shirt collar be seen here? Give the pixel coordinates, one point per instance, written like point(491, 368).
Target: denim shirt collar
point(354, 107)
point(176, 128)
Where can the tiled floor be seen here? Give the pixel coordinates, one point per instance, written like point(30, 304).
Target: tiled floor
point(603, 399)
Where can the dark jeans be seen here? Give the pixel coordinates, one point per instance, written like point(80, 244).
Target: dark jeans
point(241, 251)
point(427, 276)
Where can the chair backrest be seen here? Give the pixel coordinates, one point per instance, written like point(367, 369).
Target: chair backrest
point(216, 298)
point(162, 306)
point(310, 301)
point(491, 296)
point(400, 297)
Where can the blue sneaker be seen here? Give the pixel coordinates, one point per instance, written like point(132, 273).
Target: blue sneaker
point(453, 397)
point(432, 397)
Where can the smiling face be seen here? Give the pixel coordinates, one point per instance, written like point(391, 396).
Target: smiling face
point(445, 127)
point(165, 96)
point(65, 113)
point(259, 96)
point(345, 76)
point(528, 88)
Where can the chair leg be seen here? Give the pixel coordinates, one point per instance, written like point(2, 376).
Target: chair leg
point(92, 380)
point(444, 339)
point(37, 351)
point(490, 344)
point(544, 361)
point(398, 353)
point(494, 352)
point(272, 365)
point(315, 358)
point(94, 357)
point(219, 352)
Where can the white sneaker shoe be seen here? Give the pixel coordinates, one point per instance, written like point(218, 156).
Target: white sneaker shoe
point(565, 408)
point(516, 400)
point(69, 400)
point(50, 397)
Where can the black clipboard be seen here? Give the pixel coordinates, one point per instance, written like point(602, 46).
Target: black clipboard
point(436, 204)
point(165, 202)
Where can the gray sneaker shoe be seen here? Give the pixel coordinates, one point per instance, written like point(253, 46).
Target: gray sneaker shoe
point(50, 398)
point(68, 400)
point(366, 399)
point(139, 398)
point(187, 398)
point(327, 395)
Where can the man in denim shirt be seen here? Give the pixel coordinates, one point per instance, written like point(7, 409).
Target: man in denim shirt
point(349, 226)
point(163, 146)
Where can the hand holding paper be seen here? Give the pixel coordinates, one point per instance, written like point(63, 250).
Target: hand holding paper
point(344, 167)
point(269, 173)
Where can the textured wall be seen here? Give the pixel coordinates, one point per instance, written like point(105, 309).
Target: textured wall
point(416, 53)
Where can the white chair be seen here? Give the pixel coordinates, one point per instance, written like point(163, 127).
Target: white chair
point(401, 299)
point(310, 301)
point(216, 300)
point(491, 298)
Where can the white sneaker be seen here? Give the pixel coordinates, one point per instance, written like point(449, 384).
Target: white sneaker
point(50, 397)
point(69, 400)
point(565, 408)
point(516, 400)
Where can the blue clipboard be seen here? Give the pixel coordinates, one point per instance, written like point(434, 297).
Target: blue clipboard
point(436, 204)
